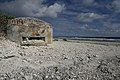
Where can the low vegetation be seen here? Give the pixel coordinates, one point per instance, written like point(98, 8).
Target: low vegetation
point(4, 21)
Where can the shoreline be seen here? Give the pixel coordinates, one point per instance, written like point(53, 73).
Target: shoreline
point(101, 42)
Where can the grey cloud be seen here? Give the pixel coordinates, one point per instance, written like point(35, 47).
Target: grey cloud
point(88, 2)
point(87, 27)
point(112, 27)
point(115, 5)
point(33, 8)
point(108, 29)
point(89, 17)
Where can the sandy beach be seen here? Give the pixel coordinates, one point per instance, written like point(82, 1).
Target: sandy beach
point(63, 60)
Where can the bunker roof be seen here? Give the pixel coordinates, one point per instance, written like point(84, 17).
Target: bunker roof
point(29, 19)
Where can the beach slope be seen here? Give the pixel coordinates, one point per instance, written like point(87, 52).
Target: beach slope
point(62, 60)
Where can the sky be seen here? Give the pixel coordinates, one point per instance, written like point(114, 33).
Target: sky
point(86, 18)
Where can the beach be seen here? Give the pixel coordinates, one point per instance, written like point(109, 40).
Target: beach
point(62, 60)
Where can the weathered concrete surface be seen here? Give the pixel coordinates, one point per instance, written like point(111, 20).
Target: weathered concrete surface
point(29, 31)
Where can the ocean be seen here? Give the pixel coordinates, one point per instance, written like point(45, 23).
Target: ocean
point(106, 39)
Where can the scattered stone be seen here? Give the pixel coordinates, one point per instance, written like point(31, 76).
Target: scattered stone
point(65, 39)
point(7, 57)
point(64, 61)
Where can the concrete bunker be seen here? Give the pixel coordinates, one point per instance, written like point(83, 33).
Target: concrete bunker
point(29, 31)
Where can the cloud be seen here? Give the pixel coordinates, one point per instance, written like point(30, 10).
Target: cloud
point(116, 5)
point(33, 8)
point(88, 2)
point(108, 29)
point(89, 17)
point(112, 27)
point(87, 27)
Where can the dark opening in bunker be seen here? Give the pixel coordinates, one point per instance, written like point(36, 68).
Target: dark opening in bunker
point(33, 38)
point(24, 38)
point(36, 38)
